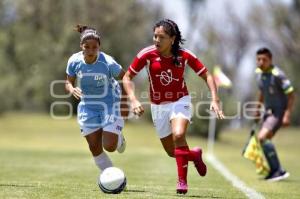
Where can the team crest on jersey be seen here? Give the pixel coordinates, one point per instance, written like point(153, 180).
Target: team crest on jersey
point(166, 77)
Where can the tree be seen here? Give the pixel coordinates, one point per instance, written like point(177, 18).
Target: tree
point(37, 37)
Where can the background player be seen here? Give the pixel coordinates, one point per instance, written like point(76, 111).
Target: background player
point(171, 111)
point(277, 95)
point(99, 93)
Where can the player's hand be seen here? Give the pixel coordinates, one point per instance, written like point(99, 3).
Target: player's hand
point(76, 92)
point(137, 108)
point(257, 117)
point(214, 106)
point(286, 119)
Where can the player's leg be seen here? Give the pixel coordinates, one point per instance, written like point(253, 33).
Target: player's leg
point(181, 152)
point(113, 138)
point(161, 121)
point(168, 144)
point(90, 125)
point(109, 141)
point(181, 116)
point(270, 125)
point(179, 126)
point(94, 141)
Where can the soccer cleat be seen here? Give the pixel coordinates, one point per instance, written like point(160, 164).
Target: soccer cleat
point(122, 147)
point(277, 176)
point(199, 164)
point(182, 187)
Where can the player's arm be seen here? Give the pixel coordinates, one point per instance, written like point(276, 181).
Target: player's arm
point(129, 89)
point(287, 114)
point(215, 103)
point(70, 87)
point(137, 65)
point(288, 89)
point(202, 71)
point(259, 106)
point(124, 106)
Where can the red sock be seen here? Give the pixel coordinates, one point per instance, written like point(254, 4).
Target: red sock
point(181, 155)
point(192, 155)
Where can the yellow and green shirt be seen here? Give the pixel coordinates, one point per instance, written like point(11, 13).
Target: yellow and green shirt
point(275, 87)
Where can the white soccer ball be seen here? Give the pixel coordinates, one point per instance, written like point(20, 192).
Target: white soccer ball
point(112, 180)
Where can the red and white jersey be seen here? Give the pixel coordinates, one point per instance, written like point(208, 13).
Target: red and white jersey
point(166, 79)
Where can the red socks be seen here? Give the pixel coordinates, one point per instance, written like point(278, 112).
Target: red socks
point(181, 155)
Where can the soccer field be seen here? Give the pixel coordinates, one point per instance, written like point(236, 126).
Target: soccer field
point(45, 158)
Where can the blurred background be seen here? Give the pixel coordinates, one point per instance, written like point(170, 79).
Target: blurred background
point(37, 38)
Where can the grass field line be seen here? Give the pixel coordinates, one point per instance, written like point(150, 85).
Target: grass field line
point(236, 182)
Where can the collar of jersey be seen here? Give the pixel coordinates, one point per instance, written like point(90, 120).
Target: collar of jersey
point(272, 69)
point(167, 57)
point(82, 59)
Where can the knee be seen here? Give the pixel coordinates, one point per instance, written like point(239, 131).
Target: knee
point(264, 137)
point(110, 147)
point(178, 135)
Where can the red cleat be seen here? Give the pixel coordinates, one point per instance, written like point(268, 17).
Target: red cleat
point(182, 187)
point(199, 164)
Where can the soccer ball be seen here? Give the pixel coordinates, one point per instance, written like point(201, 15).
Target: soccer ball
point(112, 180)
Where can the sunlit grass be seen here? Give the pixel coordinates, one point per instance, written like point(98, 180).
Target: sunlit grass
point(45, 158)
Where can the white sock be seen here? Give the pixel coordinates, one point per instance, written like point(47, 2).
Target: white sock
point(103, 161)
point(120, 140)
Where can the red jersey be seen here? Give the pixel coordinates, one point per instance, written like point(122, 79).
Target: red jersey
point(166, 79)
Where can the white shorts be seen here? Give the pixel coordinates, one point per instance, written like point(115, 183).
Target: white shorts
point(162, 114)
point(115, 128)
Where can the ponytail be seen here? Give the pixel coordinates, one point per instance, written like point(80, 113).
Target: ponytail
point(86, 33)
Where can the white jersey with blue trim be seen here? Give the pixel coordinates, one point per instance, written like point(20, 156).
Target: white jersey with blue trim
point(97, 80)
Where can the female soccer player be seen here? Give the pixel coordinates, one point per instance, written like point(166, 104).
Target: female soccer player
point(99, 93)
point(165, 62)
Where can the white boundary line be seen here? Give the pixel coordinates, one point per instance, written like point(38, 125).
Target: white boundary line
point(236, 182)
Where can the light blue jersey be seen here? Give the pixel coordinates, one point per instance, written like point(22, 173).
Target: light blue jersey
point(100, 90)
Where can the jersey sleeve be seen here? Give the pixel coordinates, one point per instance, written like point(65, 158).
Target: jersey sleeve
point(115, 68)
point(195, 64)
point(285, 83)
point(70, 70)
point(138, 63)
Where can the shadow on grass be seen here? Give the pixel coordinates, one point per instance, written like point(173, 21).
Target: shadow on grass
point(16, 185)
point(134, 191)
point(197, 196)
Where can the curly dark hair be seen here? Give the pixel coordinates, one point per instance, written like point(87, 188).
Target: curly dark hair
point(172, 29)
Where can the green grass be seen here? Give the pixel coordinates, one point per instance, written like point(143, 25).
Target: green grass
point(228, 150)
point(45, 158)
